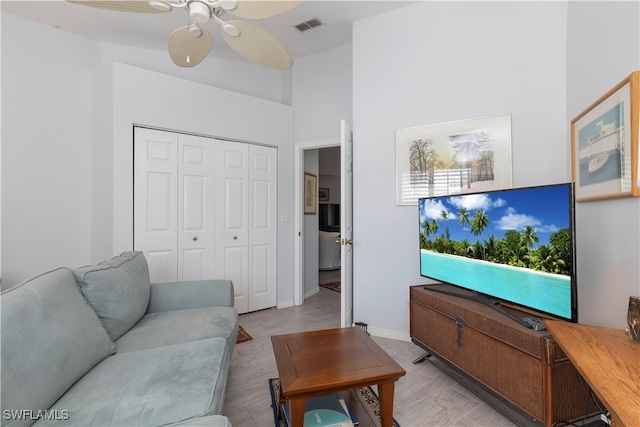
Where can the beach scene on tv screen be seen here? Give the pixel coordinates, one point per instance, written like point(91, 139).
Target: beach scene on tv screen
point(514, 245)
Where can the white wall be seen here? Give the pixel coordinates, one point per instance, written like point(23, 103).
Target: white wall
point(445, 61)
point(603, 48)
point(46, 148)
point(63, 187)
point(331, 182)
point(249, 78)
point(322, 94)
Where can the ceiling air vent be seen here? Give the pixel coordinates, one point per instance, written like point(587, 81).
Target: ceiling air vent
point(307, 25)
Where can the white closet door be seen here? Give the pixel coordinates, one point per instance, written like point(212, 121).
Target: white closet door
point(196, 207)
point(155, 201)
point(232, 257)
point(207, 209)
point(263, 199)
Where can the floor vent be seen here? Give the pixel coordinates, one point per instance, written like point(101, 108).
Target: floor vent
point(307, 25)
point(362, 326)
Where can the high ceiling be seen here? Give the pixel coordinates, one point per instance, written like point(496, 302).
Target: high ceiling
point(151, 31)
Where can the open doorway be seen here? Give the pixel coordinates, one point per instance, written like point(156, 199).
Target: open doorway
point(306, 248)
point(346, 220)
point(329, 177)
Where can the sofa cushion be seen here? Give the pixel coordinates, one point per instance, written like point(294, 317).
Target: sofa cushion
point(117, 289)
point(151, 387)
point(50, 338)
point(178, 326)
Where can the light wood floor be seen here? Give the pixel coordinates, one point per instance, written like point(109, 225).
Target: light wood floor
point(424, 397)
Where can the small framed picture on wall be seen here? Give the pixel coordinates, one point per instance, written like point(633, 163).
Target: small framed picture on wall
point(323, 194)
point(310, 196)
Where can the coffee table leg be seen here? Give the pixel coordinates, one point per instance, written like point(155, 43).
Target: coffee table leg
point(297, 412)
point(385, 392)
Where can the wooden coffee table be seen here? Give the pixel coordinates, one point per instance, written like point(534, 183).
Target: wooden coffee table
point(332, 360)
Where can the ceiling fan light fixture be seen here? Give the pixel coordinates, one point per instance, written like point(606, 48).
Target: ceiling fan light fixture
point(231, 30)
point(161, 6)
point(195, 31)
point(199, 12)
point(228, 4)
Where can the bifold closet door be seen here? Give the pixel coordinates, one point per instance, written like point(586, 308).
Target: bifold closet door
point(247, 220)
point(174, 199)
point(207, 209)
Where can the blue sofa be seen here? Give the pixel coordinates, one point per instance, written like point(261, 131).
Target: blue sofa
point(101, 346)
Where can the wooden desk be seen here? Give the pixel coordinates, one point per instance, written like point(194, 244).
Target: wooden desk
point(333, 360)
point(609, 362)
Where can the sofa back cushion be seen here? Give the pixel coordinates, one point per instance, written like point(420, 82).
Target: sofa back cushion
point(50, 338)
point(118, 290)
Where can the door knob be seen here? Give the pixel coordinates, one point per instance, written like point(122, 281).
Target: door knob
point(338, 241)
point(348, 242)
point(195, 238)
point(235, 237)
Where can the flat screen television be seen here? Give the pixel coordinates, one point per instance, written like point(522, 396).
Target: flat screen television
point(516, 246)
point(329, 215)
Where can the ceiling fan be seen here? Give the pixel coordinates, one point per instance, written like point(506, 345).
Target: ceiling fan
point(190, 45)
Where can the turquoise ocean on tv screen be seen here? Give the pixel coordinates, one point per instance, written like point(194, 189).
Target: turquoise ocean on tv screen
point(550, 293)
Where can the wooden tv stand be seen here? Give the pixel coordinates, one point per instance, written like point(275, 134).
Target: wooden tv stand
point(521, 372)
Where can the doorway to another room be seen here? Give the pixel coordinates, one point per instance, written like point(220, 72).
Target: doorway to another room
point(329, 218)
point(306, 246)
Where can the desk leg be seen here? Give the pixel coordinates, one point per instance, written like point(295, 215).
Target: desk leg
point(296, 406)
point(385, 395)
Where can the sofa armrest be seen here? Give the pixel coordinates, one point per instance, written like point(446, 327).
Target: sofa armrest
point(190, 294)
point(208, 421)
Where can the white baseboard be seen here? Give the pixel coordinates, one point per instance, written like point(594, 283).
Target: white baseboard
point(291, 303)
point(284, 304)
point(312, 292)
point(388, 333)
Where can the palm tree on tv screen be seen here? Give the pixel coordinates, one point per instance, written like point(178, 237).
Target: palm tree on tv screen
point(479, 223)
point(529, 236)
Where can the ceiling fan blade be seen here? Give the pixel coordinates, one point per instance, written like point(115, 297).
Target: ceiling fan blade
point(186, 50)
point(139, 6)
point(258, 45)
point(258, 9)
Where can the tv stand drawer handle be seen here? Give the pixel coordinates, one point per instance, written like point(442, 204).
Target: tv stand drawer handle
point(460, 322)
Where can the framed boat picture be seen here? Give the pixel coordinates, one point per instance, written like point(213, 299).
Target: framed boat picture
point(604, 144)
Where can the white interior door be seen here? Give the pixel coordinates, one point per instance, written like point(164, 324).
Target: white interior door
point(196, 207)
point(232, 254)
point(346, 224)
point(155, 201)
point(263, 199)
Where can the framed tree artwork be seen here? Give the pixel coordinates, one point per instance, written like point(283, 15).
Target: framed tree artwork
point(453, 158)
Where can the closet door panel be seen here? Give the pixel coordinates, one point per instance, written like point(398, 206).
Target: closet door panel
point(196, 215)
point(262, 227)
point(155, 201)
point(232, 258)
